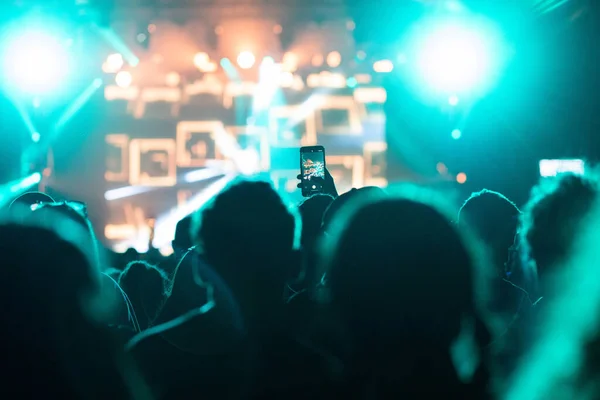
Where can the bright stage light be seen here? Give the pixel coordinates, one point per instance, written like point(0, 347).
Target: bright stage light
point(334, 59)
point(290, 62)
point(35, 137)
point(461, 178)
point(246, 60)
point(201, 59)
point(172, 79)
point(383, 66)
point(317, 60)
point(455, 56)
point(113, 64)
point(35, 62)
point(456, 134)
point(123, 79)
point(453, 100)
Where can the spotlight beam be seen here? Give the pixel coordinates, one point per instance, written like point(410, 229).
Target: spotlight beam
point(166, 224)
point(17, 187)
point(190, 177)
point(119, 45)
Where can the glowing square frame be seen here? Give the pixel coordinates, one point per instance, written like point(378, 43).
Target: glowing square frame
point(354, 163)
point(309, 138)
point(154, 94)
point(136, 147)
point(184, 131)
point(121, 141)
point(348, 103)
point(368, 149)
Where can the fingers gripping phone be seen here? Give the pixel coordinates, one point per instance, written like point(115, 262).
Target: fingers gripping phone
point(312, 169)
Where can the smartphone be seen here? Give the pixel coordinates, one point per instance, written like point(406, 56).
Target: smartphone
point(312, 169)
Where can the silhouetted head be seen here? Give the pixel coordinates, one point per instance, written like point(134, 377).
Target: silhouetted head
point(249, 236)
point(341, 201)
point(404, 281)
point(130, 255)
point(43, 266)
point(76, 212)
point(495, 219)
point(553, 217)
point(183, 236)
point(401, 259)
point(145, 286)
point(49, 337)
point(30, 198)
point(311, 211)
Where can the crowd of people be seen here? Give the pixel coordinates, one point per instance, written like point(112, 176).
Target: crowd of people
point(371, 294)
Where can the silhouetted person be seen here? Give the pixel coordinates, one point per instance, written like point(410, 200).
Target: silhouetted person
point(559, 238)
point(202, 354)
point(181, 243)
point(552, 220)
point(145, 287)
point(250, 237)
point(116, 310)
point(30, 198)
point(340, 202)
point(403, 281)
point(50, 338)
point(183, 237)
point(130, 255)
point(495, 219)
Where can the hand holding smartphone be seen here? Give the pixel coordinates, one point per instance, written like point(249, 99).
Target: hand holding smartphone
point(312, 170)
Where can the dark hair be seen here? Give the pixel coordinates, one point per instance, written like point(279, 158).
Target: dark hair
point(76, 212)
point(495, 219)
point(145, 285)
point(404, 279)
point(49, 336)
point(183, 236)
point(342, 200)
point(552, 218)
point(487, 210)
point(421, 259)
point(247, 223)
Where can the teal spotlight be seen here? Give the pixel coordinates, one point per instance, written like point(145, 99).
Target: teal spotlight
point(35, 62)
point(456, 134)
point(26, 183)
point(35, 137)
point(351, 82)
point(453, 100)
point(455, 55)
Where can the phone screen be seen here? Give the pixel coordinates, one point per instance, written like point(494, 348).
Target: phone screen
point(312, 169)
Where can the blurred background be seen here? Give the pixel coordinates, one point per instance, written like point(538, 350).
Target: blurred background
point(145, 109)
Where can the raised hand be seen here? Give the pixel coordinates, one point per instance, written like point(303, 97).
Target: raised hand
point(328, 184)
